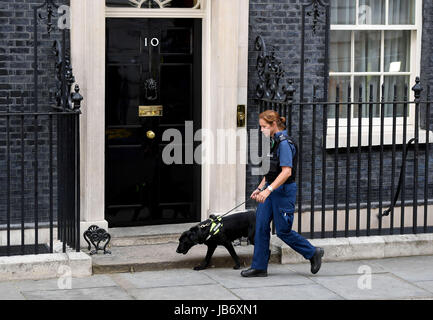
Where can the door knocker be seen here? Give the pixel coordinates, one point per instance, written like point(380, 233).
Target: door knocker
point(150, 87)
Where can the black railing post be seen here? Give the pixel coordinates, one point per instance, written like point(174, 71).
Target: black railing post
point(336, 146)
point(349, 115)
point(370, 143)
point(76, 99)
point(382, 126)
point(313, 165)
point(324, 133)
point(8, 169)
point(393, 164)
point(403, 162)
point(358, 168)
point(51, 184)
point(300, 164)
point(417, 89)
point(22, 182)
point(427, 156)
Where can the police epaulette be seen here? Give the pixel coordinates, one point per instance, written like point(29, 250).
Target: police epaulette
point(284, 137)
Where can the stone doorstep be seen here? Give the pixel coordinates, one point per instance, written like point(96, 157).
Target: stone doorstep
point(360, 248)
point(164, 256)
point(45, 266)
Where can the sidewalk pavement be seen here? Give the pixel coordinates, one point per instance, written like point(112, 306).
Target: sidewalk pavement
point(392, 278)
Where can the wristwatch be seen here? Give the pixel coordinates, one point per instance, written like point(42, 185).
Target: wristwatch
point(261, 189)
point(270, 188)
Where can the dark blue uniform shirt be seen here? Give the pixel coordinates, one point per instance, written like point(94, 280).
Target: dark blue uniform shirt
point(286, 150)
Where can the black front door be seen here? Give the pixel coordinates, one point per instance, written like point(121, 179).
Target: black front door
point(153, 83)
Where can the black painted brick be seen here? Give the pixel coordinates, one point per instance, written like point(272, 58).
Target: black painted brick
point(17, 94)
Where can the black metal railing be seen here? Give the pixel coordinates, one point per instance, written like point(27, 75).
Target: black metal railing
point(40, 150)
point(348, 184)
point(34, 206)
point(359, 176)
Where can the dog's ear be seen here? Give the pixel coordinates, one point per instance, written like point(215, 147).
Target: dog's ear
point(193, 229)
point(193, 235)
point(183, 235)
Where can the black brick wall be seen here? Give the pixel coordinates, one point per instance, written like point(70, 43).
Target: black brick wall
point(16, 95)
point(279, 23)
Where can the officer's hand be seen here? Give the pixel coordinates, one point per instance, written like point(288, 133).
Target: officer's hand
point(254, 194)
point(261, 197)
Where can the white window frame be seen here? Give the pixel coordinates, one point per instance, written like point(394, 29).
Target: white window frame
point(135, 12)
point(415, 68)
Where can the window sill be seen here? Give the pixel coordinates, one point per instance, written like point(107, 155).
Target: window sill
point(387, 136)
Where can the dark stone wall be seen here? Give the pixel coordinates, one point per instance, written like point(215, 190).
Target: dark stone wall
point(427, 45)
point(279, 23)
point(17, 94)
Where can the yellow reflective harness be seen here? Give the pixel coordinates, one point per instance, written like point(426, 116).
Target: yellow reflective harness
point(216, 226)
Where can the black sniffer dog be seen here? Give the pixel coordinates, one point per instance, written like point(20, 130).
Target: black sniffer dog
point(234, 227)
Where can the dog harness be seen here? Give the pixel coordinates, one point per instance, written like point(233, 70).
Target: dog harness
point(215, 226)
point(274, 159)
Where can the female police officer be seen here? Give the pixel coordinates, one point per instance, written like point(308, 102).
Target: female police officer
point(276, 195)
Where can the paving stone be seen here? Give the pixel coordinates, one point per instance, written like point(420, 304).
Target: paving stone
point(337, 268)
point(9, 291)
point(201, 292)
point(277, 275)
point(383, 286)
point(106, 293)
point(409, 268)
point(295, 292)
point(94, 281)
point(172, 278)
point(427, 285)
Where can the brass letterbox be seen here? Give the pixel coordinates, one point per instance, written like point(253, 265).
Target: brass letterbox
point(150, 111)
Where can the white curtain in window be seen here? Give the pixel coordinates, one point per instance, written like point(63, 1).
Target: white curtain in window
point(339, 57)
point(401, 12)
point(342, 12)
point(397, 51)
point(367, 51)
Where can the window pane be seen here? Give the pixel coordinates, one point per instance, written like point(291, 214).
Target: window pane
point(339, 57)
point(343, 83)
point(371, 12)
point(342, 12)
point(401, 83)
point(366, 83)
point(367, 51)
point(150, 3)
point(397, 51)
point(401, 12)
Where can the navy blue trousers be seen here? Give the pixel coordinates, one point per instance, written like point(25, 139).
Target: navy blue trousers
point(278, 206)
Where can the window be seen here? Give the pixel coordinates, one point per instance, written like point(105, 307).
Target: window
point(151, 4)
point(373, 43)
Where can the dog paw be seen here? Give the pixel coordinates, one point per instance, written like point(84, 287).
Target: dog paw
point(199, 267)
point(236, 267)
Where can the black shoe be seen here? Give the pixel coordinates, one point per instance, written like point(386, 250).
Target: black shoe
point(316, 260)
point(254, 273)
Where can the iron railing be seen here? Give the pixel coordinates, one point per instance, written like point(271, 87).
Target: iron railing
point(346, 187)
point(40, 158)
point(344, 191)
